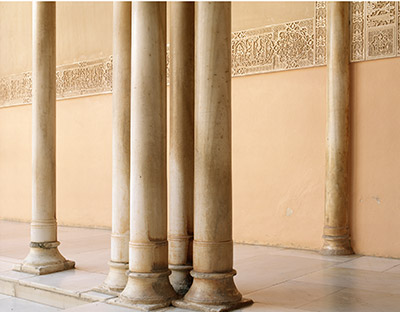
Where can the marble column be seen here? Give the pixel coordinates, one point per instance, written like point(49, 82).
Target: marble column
point(44, 256)
point(181, 160)
point(117, 278)
point(213, 288)
point(336, 227)
point(148, 286)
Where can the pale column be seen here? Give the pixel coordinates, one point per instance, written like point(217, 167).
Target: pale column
point(148, 285)
point(181, 175)
point(336, 229)
point(44, 256)
point(213, 288)
point(117, 278)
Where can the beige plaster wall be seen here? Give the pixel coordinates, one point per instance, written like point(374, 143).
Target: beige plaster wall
point(248, 14)
point(83, 162)
point(375, 217)
point(278, 157)
point(16, 163)
point(84, 32)
point(15, 37)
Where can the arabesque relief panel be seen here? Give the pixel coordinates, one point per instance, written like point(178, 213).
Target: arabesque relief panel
point(292, 45)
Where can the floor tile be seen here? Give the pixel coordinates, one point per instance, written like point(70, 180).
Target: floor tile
point(241, 252)
point(93, 261)
point(370, 263)
point(15, 248)
point(99, 307)
point(21, 305)
point(292, 294)
point(356, 300)
point(73, 280)
point(311, 254)
point(97, 295)
point(8, 259)
point(16, 275)
point(79, 245)
point(4, 296)
point(6, 266)
point(361, 279)
point(264, 271)
point(259, 307)
point(395, 270)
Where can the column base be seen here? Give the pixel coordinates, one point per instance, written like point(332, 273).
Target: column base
point(44, 258)
point(180, 278)
point(336, 246)
point(146, 291)
point(213, 292)
point(116, 279)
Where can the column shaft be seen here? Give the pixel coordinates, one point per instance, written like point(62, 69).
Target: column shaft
point(148, 282)
point(44, 256)
point(117, 278)
point(213, 272)
point(181, 164)
point(336, 229)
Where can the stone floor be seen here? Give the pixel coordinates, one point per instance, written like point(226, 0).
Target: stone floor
point(277, 279)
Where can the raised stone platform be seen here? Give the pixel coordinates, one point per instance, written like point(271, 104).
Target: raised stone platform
point(276, 279)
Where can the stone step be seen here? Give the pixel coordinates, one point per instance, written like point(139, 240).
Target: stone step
point(60, 290)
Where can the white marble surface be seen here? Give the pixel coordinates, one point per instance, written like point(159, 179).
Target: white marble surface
point(277, 279)
point(73, 280)
point(12, 304)
point(355, 300)
point(371, 263)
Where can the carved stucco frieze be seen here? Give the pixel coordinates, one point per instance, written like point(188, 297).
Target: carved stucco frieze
point(381, 29)
point(72, 80)
point(278, 47)
point(374, 30)
point(285, 46)
point(357, 31)
point(320, 33)
point(398, 27)
point(297, 44)
point(16, 89)
point(84, 78)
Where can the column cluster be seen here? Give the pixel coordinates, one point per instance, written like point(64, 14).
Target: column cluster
point(197, 247)
point(189, 264)
point(200, 157)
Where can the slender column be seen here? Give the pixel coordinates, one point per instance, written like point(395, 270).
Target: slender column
point(336, 229)
point(148, 285)
point(117, 278)
point(181, 145)
point(44, 256)
point(213, 287)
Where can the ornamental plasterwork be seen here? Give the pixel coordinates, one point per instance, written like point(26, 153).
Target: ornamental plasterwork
point(16, 89)
point(357, 31)
point(84, 78)
point(72, 80)
point(278, 47)
point(320, 33)
point(285, 46)
point(297, 44)
point(374, 30)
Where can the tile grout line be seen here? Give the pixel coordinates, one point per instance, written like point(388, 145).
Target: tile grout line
point(332, 293)
point(291, 279)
